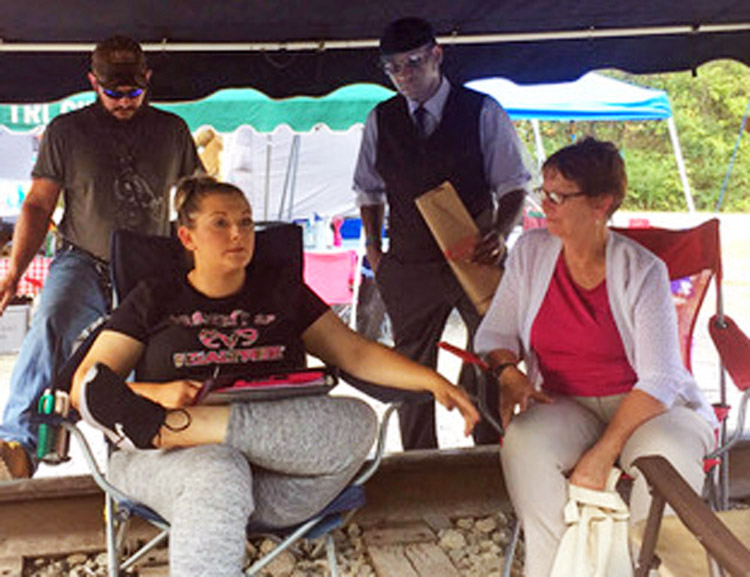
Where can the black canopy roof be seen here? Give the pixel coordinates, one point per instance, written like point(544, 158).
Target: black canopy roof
point(290, 47)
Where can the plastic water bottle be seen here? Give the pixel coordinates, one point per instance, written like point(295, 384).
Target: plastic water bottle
point(323, 234)
point(53, 443)
point(308, 234)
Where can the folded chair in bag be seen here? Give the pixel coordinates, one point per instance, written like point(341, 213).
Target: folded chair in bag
point(136, 257)
point(693, 259)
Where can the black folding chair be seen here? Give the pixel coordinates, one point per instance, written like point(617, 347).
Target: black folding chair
point(136, 257)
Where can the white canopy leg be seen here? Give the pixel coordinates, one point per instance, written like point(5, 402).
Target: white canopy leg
point(680, 164)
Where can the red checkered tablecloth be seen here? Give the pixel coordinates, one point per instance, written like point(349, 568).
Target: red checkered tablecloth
point(31, 282)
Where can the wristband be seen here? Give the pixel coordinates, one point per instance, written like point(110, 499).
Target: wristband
point(497, 370)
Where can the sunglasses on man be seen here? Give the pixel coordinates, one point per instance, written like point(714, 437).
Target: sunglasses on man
point(119, 94)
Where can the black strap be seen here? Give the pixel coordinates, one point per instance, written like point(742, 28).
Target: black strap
point(65, 244)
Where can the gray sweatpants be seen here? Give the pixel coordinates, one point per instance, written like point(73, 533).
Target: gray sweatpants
point(282, 461)
point(544, 443)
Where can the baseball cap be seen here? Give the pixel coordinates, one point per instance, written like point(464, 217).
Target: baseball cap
point(119, 61)
point(406, 34)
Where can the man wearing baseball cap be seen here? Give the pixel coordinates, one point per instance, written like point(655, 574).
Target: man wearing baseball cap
point(114, 163)
point(430, 132)
point(119, 62)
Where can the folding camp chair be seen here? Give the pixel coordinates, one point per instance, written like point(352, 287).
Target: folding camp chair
point(734, 351)
point(693, 259)
point(136, 257)
point(332, 274)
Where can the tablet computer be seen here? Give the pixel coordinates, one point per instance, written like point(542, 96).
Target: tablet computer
point(223, 390)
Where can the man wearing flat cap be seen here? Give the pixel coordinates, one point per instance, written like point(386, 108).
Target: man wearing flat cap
point(114, 162)
point(432, 131)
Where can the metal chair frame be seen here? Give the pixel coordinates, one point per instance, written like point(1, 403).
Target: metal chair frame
point(119, 508)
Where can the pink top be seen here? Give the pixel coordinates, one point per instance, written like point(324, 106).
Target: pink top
point(576, 340)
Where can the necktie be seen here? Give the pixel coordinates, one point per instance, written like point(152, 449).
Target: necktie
point(420, 119)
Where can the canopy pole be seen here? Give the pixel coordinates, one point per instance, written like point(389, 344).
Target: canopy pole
point(541, 155)
point(267, 191)
point(680, 164)
point(731, 160)
point(357, 281)
point(295, 169)
point(289, 177)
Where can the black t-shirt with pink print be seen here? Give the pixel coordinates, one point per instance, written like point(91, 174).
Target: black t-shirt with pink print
point(188, 335)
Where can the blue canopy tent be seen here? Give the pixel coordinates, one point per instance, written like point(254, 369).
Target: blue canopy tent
point(592, 97)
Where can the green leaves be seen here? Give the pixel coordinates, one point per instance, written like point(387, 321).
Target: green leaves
point(708, 110)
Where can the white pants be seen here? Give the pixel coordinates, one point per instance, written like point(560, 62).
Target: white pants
point(545, 442)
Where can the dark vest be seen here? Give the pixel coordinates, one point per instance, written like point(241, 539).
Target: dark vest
point(411, 167)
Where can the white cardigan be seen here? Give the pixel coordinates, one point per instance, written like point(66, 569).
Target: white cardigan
point(641, 302)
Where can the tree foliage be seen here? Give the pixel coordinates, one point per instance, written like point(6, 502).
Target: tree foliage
point(708, 110)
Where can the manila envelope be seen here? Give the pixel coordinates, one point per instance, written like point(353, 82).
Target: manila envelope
point(455, 233)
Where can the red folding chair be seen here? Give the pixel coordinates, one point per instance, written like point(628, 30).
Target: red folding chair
point(693, 259)
point(734, 351)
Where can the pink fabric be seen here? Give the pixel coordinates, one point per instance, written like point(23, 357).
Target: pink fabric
point(331, 274)
point(576, 340)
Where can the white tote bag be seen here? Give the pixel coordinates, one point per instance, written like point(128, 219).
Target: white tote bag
point(595, 544)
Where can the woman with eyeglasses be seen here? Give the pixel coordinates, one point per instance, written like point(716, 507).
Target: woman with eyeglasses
point(590, 314)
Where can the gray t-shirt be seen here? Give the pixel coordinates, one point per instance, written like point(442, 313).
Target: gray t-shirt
point(114, 173)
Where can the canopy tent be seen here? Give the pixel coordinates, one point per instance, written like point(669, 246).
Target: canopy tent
point(289, 175)
point(302, 166)
point(288, 47)
point(592, 97)
point(230, 108)
point(287, 157)
point(294, 157)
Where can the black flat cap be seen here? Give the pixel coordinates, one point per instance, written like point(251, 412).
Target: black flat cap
point(406, 34)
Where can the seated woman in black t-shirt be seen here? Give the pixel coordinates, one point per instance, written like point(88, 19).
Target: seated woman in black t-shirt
point(274, 462)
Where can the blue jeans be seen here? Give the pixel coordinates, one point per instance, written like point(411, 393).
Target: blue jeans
point(75, 294)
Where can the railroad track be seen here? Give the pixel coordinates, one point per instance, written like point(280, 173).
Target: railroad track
point(411, 498)
point(58, 516)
